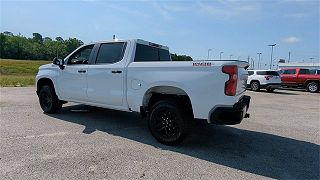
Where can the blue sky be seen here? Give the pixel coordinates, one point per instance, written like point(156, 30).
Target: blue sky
point(238, 28)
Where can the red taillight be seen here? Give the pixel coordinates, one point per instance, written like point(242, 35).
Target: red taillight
point(230, 87)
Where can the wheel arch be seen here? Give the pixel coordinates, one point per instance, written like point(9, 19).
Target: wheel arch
point(254, 80)
point(157, 93)
point(311, 80)
point(44, 81)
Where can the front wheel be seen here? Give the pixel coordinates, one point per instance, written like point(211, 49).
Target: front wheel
point(48, 100)
point(168, 122)
point(313, 87)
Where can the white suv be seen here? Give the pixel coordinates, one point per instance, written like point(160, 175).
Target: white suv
point(263, 79)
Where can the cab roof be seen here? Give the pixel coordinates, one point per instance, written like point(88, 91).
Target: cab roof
point(138, 41)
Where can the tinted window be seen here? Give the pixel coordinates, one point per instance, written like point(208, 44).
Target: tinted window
point(289, 71)
point(111, 52)
point(148, 53)
point(313, 71)
point(250, 73)
point(164, 55)
point(81, 56)
point(270, 73)
point(261, 73)
point(304, 71)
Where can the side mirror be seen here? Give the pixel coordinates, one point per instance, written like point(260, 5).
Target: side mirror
point(58, 62)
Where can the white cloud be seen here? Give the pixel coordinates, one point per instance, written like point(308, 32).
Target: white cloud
point(231, 10)
point(292, 40)
point(220, 9)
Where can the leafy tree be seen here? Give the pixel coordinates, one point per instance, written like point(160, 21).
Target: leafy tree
point(176, 57)
point(46, 39)
point(38, 48)
point(72, 44)
point(7, 33)
point(3, 39)
point(37, 38)
point(59, 39)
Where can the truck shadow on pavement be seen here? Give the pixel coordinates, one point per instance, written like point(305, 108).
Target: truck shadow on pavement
point(254, 152)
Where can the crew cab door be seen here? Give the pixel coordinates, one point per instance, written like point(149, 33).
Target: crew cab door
point(289, 77)
point(73, 78)
point(106, 74)
point(303, 75)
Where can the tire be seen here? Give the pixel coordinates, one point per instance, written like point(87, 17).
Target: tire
point(312, 87)
point(168, 122)
point(255, 86)
point(48, 100)
point(270, 90)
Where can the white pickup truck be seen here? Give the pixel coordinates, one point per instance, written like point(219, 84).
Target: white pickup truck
point(139, 76)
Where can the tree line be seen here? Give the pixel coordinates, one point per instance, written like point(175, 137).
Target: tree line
point(35, 48)
point(45, 48)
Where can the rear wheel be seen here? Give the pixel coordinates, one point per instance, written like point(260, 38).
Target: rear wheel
point(48, 100)
point(313, 87)
point(168, 122)
point(255, 86)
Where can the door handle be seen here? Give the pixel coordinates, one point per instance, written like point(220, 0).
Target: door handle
point(82, 71)
point(116, 72)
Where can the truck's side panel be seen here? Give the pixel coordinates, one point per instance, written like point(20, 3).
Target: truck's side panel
point(203, 84)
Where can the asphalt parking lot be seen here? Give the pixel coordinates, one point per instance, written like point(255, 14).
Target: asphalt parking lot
point(280, 140)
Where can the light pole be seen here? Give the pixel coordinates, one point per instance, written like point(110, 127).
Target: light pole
point(259, 60)
point(220, 54)
point(209, 53)
point(311, 60)
point(289, 56)
point(252, 62)
point(271, 54)
point(230, 56)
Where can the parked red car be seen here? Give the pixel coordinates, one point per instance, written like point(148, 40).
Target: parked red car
point(299, 77)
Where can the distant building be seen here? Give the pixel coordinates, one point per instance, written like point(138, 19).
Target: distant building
point(299, 65)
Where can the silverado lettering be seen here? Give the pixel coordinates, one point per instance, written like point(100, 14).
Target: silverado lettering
point(202, 64)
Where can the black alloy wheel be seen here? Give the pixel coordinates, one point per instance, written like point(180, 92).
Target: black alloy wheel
point(168, 122)
point(48, 100)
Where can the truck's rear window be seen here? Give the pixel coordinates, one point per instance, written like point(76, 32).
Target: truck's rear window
point(270, 73)
point(146, 53)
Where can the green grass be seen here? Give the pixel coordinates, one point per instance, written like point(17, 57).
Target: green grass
point(18, 72)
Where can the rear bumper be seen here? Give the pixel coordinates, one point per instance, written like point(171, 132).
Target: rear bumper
point(231, 115)
point(270, 85)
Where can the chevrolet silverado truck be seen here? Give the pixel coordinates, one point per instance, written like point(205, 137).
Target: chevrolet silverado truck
point(139, 76)
point(300, 77)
